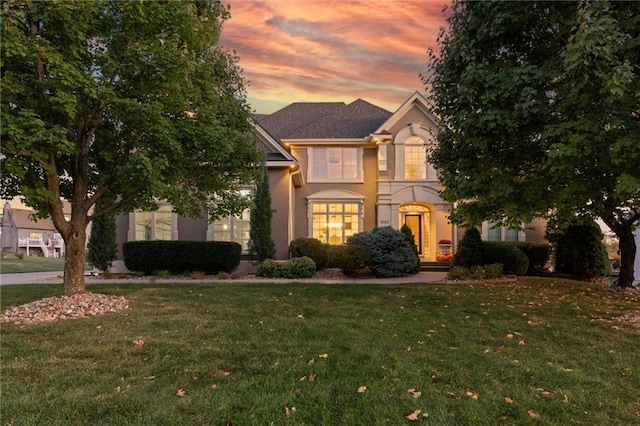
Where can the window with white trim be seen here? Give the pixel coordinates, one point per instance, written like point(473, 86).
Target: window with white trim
point(491, 232)
point(334, 222)
point(155, 225)
point(335, 164)
point(415, 158)
point(233, 228)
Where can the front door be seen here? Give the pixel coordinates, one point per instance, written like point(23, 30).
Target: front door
point(414, 222)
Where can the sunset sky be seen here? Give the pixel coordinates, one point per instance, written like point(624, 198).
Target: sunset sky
point(325, 50)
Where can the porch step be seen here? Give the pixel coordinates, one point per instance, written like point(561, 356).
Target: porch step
point(435, 266)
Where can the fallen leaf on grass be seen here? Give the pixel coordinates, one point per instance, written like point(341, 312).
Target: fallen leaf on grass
point(533, 414)
point(214, 386)
point(508, 400)
point(149, 377)
point(312, 377)
point(302, 379)
point(414, 416)
point(138, 343)
point(311, 361)
point(451, 394)
point(288, 411)
point(521, 343)
point(414, 393)
point(472, 395)
point(510, 336)
point(565, 399)
point(323, 356)
point(181, 393)
point(362, 389)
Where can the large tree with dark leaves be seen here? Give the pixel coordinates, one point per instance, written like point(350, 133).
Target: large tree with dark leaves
point(130, 102)
point(539, 105)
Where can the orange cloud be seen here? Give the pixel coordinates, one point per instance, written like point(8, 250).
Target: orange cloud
point(319, 50)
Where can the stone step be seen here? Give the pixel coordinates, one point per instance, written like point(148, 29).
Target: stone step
point(435, 266)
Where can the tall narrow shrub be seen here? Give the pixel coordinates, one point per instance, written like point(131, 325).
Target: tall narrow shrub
point(411, 240)
point(470, 250)
point(102, 246)
point(580, 250)
point(261, 244)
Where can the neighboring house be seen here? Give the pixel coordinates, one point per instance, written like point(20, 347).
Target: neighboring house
point(23, 234)
point(337, 169)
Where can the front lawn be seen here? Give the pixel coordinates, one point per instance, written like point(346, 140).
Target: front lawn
point(538, 351)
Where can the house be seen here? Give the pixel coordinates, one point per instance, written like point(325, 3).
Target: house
point(334, 170)
point(23, 234)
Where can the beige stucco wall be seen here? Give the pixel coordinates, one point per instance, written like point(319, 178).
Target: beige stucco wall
point(280, 187)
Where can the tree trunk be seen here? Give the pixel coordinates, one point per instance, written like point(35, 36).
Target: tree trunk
point(75, 255)
point(627, 245)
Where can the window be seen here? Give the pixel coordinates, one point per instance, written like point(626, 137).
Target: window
point(335, 164)
point(233, 228)
point(491, 232)
point(415, 158)
point(156, 225)
point(35, 235)
point(333, 223)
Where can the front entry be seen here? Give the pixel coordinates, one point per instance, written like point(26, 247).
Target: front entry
point(414, 222)
point(418, 218)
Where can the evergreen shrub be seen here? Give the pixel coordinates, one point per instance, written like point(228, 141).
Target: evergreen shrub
point(580, 251)
point(508, 254)
point(408, 235)
point(351, 259)
point(470, 250)
point(299, 267)
point(538, 254)
point(390, 253)
point(310, 247)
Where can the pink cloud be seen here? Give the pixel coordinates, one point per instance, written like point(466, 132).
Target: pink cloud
point(313, 50)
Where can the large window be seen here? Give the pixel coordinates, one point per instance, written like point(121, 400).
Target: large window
point(491, 232)
point(333, 223)
point(335, 164)
point(233, 228)
point(156, 225)
point(415, 158)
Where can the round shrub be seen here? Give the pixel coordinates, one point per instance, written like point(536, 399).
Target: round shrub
point(312, 248)
point(581, 252)
point(513, 259)
point(351, 258)
point(538, 254)
point(302, 267)
point(470, 250)
point(390, 253)
point(269, 268)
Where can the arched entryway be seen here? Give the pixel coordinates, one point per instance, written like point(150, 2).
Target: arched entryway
point(418, 217)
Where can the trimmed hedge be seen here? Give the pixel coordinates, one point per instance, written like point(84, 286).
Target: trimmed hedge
point(507, 253)
point(310, 247)
point(181, 256)
point(538, 254)
point(352, 259)
point(298, 267)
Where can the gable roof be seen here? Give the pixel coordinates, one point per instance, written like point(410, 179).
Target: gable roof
point(24, 219)
point(325, 120)
point(416, 99)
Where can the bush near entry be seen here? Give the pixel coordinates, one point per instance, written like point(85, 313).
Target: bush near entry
point(310, 247)
point(298, 267)
point(391, 255)
point(513, 259)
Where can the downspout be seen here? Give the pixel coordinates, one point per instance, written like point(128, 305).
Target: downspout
point(291, 204)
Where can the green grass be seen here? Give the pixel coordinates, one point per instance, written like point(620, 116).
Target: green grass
point(568, 362)
point(11, 264)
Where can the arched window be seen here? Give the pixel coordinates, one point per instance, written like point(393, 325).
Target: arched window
point(415, 158)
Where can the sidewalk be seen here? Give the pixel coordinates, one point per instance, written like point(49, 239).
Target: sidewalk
point(56, 278)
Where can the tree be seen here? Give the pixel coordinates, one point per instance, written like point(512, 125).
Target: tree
point(260, 242)
point(538, 103)
point(102, 247)
point(130, 102)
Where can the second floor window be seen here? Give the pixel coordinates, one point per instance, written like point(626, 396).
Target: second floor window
point(335, 164)
point(415, 158)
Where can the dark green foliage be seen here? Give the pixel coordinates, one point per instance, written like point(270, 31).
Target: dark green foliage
point(312, 248)
point(470, 250)
point(538, 108)
point(507, 253)
point(260, 242)
point(102, 246)
point(580, 251)
point(298, 267)
point(351, 258)
point(130, 101)
point(390, 253)
point(181, 256)
point(538, 254)
point(476, 272)
point(408, 235)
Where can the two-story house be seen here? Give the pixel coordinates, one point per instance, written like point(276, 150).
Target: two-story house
point(336, 169)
